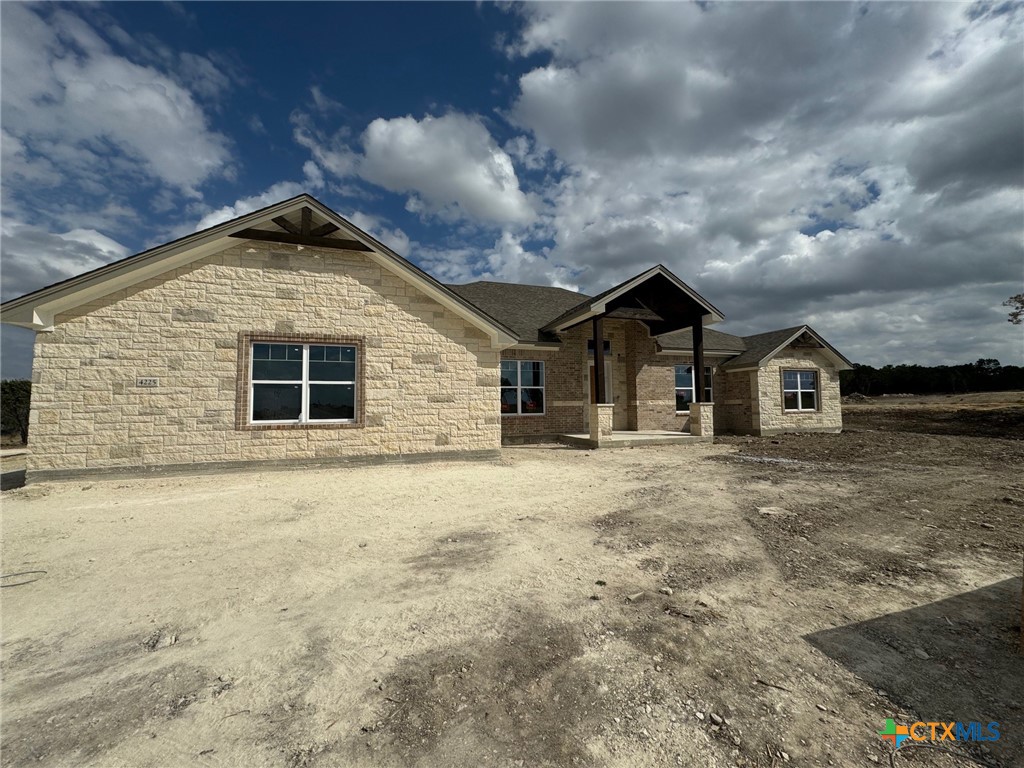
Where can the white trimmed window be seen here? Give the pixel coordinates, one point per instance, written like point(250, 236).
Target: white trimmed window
point(684, 387)
point(522, 388)
point(800, 390)
point(302, 383)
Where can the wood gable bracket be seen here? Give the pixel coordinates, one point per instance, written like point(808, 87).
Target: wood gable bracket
point(303, 233)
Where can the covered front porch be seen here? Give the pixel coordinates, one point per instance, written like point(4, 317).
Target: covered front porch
point(655, 302)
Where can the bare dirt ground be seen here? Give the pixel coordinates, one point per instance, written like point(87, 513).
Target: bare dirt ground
point(479, 614)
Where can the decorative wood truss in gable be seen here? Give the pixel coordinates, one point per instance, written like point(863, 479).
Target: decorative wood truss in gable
point(303, 233)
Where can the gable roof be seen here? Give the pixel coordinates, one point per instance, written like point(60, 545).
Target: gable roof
point(762, 347)
point(523, 308)
point(37, 309)
point(597, 305)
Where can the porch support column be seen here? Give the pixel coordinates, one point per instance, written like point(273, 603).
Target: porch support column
point(702, 415)
point(698, 360)
point(601, 413)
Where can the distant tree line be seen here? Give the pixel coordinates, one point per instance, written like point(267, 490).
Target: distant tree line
point(14, 401)
point(985, 375)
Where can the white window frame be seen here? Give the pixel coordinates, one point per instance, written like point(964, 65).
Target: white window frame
point(519, 386)
point(304, 383)
point(709, 371)
point(799, 391)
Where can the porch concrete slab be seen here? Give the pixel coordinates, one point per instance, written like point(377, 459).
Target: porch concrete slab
point(623, 439)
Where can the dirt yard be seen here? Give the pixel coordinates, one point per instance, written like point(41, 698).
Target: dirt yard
point(481, 614)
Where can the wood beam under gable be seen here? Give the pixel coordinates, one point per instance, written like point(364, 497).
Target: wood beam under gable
point(324, 229)
point(336, 244)
point(286, 225)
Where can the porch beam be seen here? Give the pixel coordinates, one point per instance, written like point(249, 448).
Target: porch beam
point(698, 360)
point(598, 359)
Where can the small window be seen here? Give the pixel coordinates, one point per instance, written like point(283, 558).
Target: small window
point(522, 388)
point(684, 387)
point(800, 390)
point(302, 383)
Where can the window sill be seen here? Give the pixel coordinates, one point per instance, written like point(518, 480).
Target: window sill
point(264, 426)
point(801, 410)
point(512, 415)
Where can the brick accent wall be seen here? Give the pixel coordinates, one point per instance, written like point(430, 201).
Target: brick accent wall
point(736, 402)
point(431, 379)
point(643, 384)
point(567, 400)
point(773, 419)
point(563, 396)
point(655, 401)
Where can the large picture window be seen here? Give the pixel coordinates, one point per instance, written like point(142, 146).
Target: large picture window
point(302, 383)
point(800, 390)
point(522, 388)
point(684, 387)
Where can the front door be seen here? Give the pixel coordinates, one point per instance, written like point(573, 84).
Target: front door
point(589, 384)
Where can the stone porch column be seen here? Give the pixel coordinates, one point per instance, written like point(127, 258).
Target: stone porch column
point(702, 419)
point(601, 415)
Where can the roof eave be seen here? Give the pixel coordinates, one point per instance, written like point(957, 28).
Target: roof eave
point(37, 309)
point(841, 363)
point(689, 351)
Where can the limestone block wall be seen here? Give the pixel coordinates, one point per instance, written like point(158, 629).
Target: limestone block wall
point(430, 379)
point(773, 419)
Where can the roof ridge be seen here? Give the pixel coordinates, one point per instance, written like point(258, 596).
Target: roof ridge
point(777, 330)
point(519, 285)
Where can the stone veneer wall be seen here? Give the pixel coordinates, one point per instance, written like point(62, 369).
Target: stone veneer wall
point(773, 419)
point(431, 379)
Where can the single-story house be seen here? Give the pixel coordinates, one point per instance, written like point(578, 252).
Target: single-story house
point(290, 335)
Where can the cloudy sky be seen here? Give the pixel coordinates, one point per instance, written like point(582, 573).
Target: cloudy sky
point(859, 167)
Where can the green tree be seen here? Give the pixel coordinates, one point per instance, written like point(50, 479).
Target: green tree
point(15, 395)
point(1016, 305)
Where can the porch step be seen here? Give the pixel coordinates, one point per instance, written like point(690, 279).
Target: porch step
point(634, 439)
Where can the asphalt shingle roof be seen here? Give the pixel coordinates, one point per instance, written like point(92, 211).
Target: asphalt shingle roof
point(760, 345)
point(523, 308)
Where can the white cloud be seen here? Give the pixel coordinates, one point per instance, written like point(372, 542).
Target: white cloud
point(332, 151)
point(393, 237)
point(450, 164)
point(507, 260)
point(275, 193)
point(67, 96)
point(708, 138)
point(34, 258)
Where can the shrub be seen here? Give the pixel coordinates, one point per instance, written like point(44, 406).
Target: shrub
point(14, 400)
